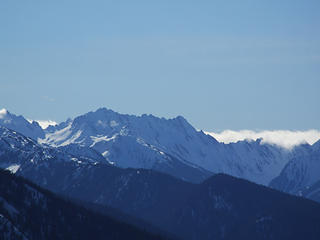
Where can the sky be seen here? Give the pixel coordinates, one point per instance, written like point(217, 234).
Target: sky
point(223, 65)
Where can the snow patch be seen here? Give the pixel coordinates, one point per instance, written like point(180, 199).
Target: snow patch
point(113, 123)
point(101, 138)
point(103, 124)
point(57, 137)
point(105, 153)
point(46, 123)
point(13, 168)
point(72, 139)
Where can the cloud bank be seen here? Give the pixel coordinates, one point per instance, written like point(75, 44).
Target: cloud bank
point(283, 138)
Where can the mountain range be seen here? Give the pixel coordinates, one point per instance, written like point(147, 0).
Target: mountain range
point(221, 207)
point(170, 175)
point(171, 146)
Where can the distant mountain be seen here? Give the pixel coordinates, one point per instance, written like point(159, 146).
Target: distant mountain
point(301, 175)
point(124, 150)
point(29, 212)
point(222, 207)
point(19, 153)
point(170, 146)
point(21, 125)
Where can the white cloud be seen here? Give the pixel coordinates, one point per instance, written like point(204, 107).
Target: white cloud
point(283, 138)
point(47, 98)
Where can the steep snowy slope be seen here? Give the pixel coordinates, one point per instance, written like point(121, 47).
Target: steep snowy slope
point(158, 143)
point(301, 172)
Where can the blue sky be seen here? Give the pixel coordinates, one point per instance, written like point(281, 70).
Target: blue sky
point(221, 64)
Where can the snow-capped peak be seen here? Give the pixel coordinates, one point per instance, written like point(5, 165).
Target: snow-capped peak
point(3, 112)
point(20, 124)
point(46, 123)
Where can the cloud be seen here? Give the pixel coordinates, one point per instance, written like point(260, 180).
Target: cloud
point(48, 99)
point(283, 138)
